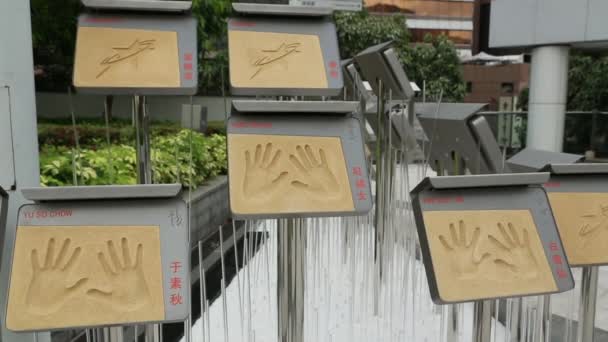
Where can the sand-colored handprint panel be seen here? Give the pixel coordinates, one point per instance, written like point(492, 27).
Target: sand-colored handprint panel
point(84, 276)
point(275, 60)
point(480, 254)
point(275, 174)
point(582, 220)
point(112, 57)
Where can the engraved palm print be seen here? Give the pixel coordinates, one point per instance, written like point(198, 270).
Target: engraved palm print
point(261, 178)
point(126, 53)
point(128, 288)
point(599, 224)
point(272, 56)
point(462, 252)
point(314, 176)
point(521, 261)
point(48, 288)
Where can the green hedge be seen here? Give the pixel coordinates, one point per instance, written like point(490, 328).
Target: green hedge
point(92, 132)
point(99, 164)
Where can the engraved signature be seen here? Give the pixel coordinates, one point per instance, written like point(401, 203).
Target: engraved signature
point(125, 53)
point(595, 226)
point(274, 55)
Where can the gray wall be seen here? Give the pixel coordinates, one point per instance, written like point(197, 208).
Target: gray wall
point(161, 107)
point(520, 23)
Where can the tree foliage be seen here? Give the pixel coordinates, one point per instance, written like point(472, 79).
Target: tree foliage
point(212, 41)
point(587, 84)
point(436, 65)
point(435, 62)
point(360, 30)
point(53, 40)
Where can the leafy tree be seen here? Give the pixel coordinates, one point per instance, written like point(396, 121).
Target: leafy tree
point(360, 30)
point(587, 84)
point(212, 41)
point(434, 62)
point(53, 40)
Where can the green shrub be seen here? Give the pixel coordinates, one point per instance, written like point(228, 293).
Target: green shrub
point(91, 132)
point(116, 164)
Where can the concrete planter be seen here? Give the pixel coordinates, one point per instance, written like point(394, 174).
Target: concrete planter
point(210, 208)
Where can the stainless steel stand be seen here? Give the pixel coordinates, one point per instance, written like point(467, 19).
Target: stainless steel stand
point(142, 133)
point(144, 176)
point(291, 263)
point(482, 321)
point(382, 148)
point(586, 316)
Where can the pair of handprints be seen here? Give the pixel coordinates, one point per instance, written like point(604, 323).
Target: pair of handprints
point(49, 289)
point(312, 172)
point(512, 252)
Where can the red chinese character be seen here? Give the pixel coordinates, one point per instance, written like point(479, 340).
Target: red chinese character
point(188, 57)
point(361, 183)
point(362, 196)
point(557, 259)
point(333, 74)
point(176, 299)
point(188, 76)
point(459, 199)
point(357, 171)
point(188, 66)
point(176, 266)
point(176, 283)
point(553, 246)
point(561, 273)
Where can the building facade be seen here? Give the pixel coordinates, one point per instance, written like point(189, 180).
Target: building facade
point(453, 18)
point(499, 85)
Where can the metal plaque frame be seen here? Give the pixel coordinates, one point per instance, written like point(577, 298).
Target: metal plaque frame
point(491, 192)
point(455, 128)
point(281, 10)
point(140, 5)
point(320, 125)
point(3, 216)
point(582, 177)
point(151, 205)
point(531, 160)
point(186, 28)
point(380, 62)
point(288, 107)
point(324, 28)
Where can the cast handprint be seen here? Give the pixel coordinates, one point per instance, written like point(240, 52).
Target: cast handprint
point(261, 179)
point(462, 252)
point(521, 261)
point(128, 288)
point(314, 176)
point(49, 288)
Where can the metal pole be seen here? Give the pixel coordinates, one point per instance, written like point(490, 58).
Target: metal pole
point(142, 135)
point(380, 205)
point(291, 262)
point(144, 175)
point(482, 321)
point(586, 316)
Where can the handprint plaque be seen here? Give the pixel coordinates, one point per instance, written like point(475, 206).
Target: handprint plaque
point(582, 219)
point(492, 253)
point(287, 174)
point(85, 276)
point(488, 237)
